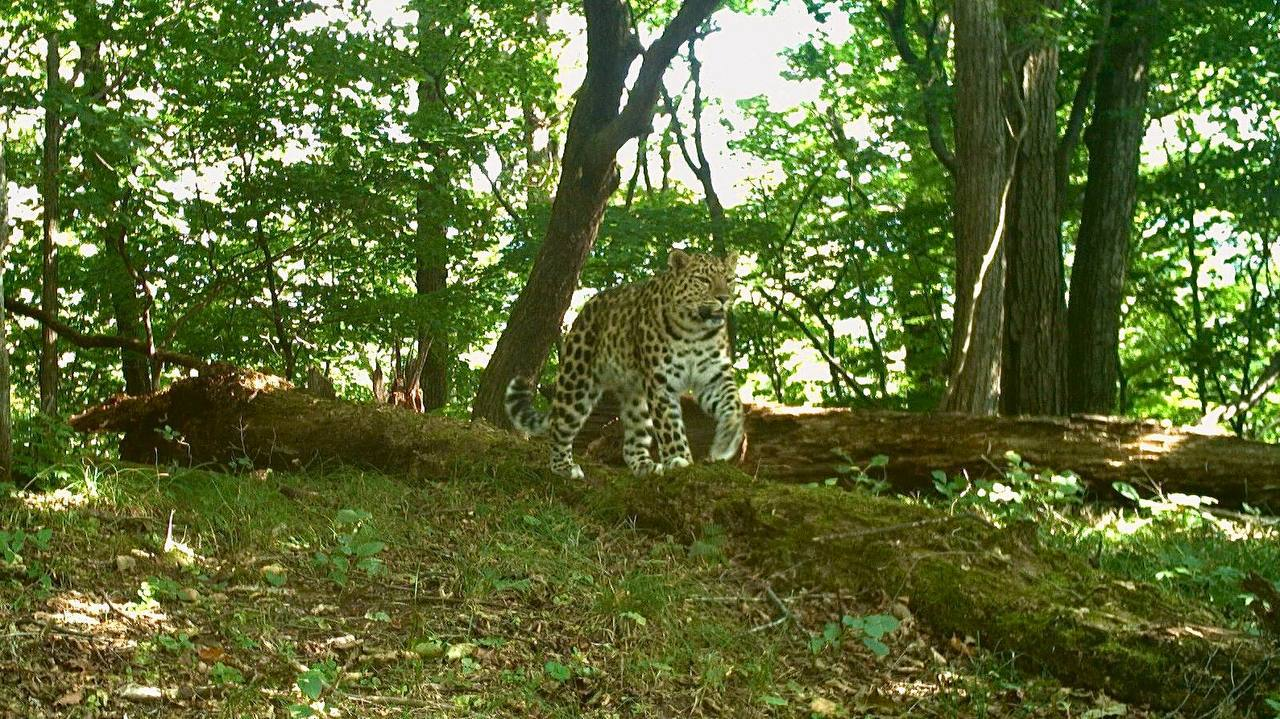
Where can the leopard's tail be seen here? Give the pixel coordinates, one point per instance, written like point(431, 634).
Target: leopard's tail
point(520, 410)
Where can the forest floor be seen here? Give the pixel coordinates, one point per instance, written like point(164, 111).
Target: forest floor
point(153, 592)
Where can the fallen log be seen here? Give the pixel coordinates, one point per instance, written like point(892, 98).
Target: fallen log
point(961, 576)
point(796, 444)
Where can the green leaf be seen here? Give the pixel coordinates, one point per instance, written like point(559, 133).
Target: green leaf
point(876, 646)
point(275, 579)
point(311, 683)
point(773, 701)
point(1126, 490)
point(557, 671)
point(878, 625)
point(368, 549)
point(880, 460)
point(351, 516)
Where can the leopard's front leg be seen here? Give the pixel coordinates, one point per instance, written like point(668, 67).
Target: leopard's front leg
point(668, 423)
point(719, 399)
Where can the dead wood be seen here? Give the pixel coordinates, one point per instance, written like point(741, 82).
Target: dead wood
point(796, 444)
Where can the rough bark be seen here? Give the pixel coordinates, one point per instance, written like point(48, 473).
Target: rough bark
point(982, 182)
point(962, 576)
point(1114, 139)
point(49, 172)
point(598, 128)
point(6, 410)
point(1033, 376)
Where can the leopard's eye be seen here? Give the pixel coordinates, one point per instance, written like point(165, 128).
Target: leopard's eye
point(704, 281)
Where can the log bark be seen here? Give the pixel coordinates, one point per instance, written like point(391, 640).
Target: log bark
point(796, 445)
point(960, 575)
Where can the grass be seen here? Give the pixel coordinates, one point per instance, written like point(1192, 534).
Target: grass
point(195, 593)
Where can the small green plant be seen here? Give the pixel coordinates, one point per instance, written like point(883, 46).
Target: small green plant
point(357, 547)
point(859, 477)
point(220, 673)
point(14, 543)
point(1019, 492)
point(312, 682)
point(154, 589)
point(557, 671)
point(872, 629)
point(177, 645)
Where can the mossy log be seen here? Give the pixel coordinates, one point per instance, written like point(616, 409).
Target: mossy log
point(961, 576)
point(796, 445)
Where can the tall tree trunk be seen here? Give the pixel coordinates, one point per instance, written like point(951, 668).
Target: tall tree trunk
point(49, 196)
point(1114, 139)
point(431, 251)
point(1033, 379)
point(589, 175)
point(6, 410)
point(982, 182)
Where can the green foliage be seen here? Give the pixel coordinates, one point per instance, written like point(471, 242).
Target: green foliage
point(1020, 492)
point(871, 629)
point(852, 475)
point(356, 548)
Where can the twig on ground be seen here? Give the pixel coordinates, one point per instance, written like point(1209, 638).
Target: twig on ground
point(786, 611)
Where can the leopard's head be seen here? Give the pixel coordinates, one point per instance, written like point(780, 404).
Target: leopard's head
point(703, 287)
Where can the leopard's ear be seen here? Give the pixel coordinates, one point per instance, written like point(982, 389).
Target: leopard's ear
point(678, 259)
point(731, 262)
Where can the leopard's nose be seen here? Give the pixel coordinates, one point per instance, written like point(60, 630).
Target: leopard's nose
point(723, 297)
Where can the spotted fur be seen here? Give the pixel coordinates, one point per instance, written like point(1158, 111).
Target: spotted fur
point(649, 342)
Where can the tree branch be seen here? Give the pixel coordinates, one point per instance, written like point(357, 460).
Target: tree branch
point(637, 113)
point(94, 341)
point(1080, 103)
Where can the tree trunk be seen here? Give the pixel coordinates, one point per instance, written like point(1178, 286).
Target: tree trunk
point(431, 251)
point(6, 409)
point(961, 576)
point(49, 197)
point(982, 182)
point(589, 175)
point(129, 323)
point(1033, 379)
point(103, 163)
point(283, 336)
point(1114, 139)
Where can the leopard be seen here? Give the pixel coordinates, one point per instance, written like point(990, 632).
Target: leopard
point(648, 342)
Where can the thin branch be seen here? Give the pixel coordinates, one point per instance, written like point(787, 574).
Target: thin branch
point(95, 341)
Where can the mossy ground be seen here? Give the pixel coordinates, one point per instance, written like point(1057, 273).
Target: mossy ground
point(496, 599)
